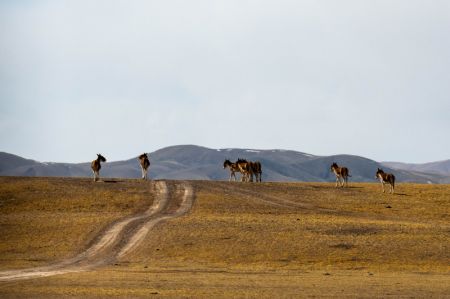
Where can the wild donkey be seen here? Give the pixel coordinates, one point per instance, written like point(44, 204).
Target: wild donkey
point(233, 168)
point(95, 165)
point(256, 170)
point(246, 169)
point(145, 164)
point(249, 169)
point(386, 178)
point(341, 174)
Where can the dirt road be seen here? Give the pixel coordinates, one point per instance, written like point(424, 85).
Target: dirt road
point(173, 199)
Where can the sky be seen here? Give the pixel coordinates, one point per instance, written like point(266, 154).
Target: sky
point(368, 78)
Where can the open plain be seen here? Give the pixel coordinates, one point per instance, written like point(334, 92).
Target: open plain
point(71, 237)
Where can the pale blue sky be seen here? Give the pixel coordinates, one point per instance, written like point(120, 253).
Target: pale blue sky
point(369, 78)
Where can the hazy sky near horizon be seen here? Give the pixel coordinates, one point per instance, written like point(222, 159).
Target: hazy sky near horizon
point(369, 78)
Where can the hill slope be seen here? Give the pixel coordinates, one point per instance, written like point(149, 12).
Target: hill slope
point(195, 162)
point(439, 167)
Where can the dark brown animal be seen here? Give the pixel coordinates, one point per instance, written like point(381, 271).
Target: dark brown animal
point(341, 173)
point(386, 178)
point(95, 165)
point(256, 170)
point(145, 164)
point(233, 168)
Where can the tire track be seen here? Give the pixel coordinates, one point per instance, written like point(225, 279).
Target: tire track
point(139, 235)
point(121, 238)
point(276, 201)
point(280, 202)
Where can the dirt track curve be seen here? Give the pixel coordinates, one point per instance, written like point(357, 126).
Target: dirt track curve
point(121, 237)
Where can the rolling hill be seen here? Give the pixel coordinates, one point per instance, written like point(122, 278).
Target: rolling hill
point(195, 162)
point(440, 167)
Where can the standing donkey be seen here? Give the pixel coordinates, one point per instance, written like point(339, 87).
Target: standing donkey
point(386, 178)
point(233, 168)
point(246, 169)
point(95, 165)
point(256, 169)
point(341, 174)
point(145, 164)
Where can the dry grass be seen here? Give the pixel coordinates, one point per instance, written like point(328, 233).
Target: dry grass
point(329, 229)
point(43, 219)
point(257, 240)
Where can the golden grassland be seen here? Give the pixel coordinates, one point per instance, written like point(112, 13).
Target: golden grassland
point(239, 240)
point(47, 219)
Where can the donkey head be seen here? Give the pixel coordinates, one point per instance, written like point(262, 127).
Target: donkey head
point(379, 172)
point(143, 156)
point(101, 158)
point(226, 163)
point(333, 166)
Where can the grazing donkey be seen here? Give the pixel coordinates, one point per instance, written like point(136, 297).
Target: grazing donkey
point(233, 168)
point(95, 165)
point(145, 164)
point(386, 178)
point(341, 174)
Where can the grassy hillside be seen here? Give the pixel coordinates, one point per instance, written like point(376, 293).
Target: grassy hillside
point(257, 240)
point(43, 220)
point(309, 227)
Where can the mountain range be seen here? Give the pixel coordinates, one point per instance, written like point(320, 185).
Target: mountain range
point(196, 162)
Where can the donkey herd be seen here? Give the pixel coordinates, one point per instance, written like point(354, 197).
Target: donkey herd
point(250, 169)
